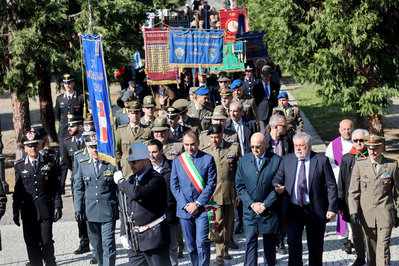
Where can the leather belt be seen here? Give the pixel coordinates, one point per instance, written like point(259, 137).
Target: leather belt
point(141, 229)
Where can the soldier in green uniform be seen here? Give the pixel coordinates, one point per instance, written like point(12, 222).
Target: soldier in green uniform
point(226, 157)
point(148, 110)
point(374, 199)
point(199, 108)
point(121, 117)
point(291, 113)
point(192, 122)
point(161, 130)
point(127, 135)
point(249, 107)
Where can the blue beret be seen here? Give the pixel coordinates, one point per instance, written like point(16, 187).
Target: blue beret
point(202, 91)
point(236, 84)
point(282, 94)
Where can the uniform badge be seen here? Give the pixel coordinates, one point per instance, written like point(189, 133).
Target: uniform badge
point(247, 106)
point(207, 117)
point(231, 140)
point(364, 184)
point(30, 135)
point(108, 172)
point(385, 176)
point(173, 153)
point(45, 168)
point(229, 156)
point(25, 171)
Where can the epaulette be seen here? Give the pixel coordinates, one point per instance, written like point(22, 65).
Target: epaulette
point(391, 160)
point(19, 161)
point(79, 151)
point(123, 126)
point(206, 146)
point(119, 111)
point(62, 94)
point(360, 158)
point(84, 160)
point(81, 95)
point(204, 132)
point(68, 138)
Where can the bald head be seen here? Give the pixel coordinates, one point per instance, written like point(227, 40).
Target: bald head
point(346, 128)
point(258, 144)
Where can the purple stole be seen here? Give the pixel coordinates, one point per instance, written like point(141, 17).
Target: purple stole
point(337, 151)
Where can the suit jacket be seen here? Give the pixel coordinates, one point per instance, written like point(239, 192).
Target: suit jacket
point(249, 127)
point(265, 105)
point(288, 144)
point(37, 193)
point(322, 187)
point(344, 180)
point(374, 196)
point(255, 185)
point(183, 189)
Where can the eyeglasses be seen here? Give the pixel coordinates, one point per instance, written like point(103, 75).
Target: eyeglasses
point(255, 147)
point(358, 140)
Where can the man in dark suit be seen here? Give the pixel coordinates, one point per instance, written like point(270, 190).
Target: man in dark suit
point(242, 126)
point(255, 188)
point(310, 198)
point(145, 195)
point(265, 94)
point(193, 181)
point(278, 140)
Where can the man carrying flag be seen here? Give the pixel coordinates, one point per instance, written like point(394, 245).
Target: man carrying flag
point(192, 182)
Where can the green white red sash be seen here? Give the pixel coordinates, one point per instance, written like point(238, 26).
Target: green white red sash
point(200, 185)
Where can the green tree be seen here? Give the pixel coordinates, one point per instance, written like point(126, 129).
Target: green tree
point(349, 47)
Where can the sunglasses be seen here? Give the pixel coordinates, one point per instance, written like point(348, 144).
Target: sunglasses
point(255, 147)
point(282, 125)
point(358, 140)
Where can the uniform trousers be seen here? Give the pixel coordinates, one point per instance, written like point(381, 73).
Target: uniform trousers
point(251, 249)
point(198, 245)
point(358, 240)
point(153, 257)
point(225, 221)
point(102, 238)
point(38, 237)
point(82, 229)
point(377, 243)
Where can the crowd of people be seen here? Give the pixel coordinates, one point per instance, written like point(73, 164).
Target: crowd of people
point(220, 155)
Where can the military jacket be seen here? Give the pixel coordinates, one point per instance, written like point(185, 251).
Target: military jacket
point(179, 135)
point(64, 107)
point(70, 147)
point(172, 148)
point(228, 136)
point(293, 117)
point(193, 123)
point(249, 84)
point(147, 123)
point(121, 118)
point(203, 115)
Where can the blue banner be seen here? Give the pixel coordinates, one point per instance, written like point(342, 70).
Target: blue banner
point(195, 48)
point(99, 95)
point(255, 47)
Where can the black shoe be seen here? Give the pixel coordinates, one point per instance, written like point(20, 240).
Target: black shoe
point(282, 250)
point(281, 246)
point(180, 255)
point(233, 245)
point(218, 261)
point(93, 260)
point(359, 262)
point(238, 229)
point(347, 247)
point(81, 250)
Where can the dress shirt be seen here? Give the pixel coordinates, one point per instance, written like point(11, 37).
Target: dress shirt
point(141, 176)
point(259, 160)
point(294, 189)
point(276, 145)
point(239, 128)
point(158, 168)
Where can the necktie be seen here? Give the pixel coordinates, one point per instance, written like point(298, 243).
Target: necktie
point(78, 143)
point(241, 139)
point(137, 180)
point(267, 91)
point(219, 149)
point(34, 165)
point(375, 167)
point(302, 188)
point(96, 167)
point(259, 163)
point(192, 158)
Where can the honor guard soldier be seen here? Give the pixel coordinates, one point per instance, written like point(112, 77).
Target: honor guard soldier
point(121, 117)
point(226, 96)
point(127, 135)
point(68, 103)
point(192, 122)
point(373, 199)
point(198, 108)
point(226, 157)
point(250, 80)
point(176, 130)
point(145, 231)
point(291, 113)
point(37, 197)
point(95, 189)
point(219, 117)
point(250, 111)
point(148, 109)
point(161, 130)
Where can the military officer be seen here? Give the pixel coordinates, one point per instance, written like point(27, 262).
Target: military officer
point(250, 80)
point(198, 108)
point(226, 96)
point(219, 117)
point(148, 109)
point(192, 122)
point(176, 130)
point(127, 135)
point(291, 113)
point(121, 117)
point(94, 188)
point(37, 196)
point(226, 157)
point(161, 130)
point(249, 107)
point(373, 199)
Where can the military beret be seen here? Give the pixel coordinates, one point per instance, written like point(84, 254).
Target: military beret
point(282, 94)
point(215, 129)
point(202, 91)
point(129, 96)
point(236, 84)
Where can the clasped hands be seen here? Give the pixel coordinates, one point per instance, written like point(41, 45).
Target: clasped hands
point(191, 208)
point(258, 207)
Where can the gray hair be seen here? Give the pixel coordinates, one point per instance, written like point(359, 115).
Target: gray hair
point(274, 120)
point(240, 107)
point(306, 136)
point(360, 130)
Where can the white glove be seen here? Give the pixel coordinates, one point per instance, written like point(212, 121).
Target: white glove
point(125, 242)
point(118, 176)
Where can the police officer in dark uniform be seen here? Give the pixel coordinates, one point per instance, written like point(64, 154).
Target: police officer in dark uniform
point(176, 130)
point(250, 80)
point(37, 197)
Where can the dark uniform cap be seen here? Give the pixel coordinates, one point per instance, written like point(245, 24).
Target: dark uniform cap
point(39, 130)
point(129, 96)
point(160, 124)
point(91, 140)
point(219, 113)
point(373, 141)
point(67, 78)
point(267, 70)
point(171, 112)
point(88, 129)
point(31, 138)
point(134, 106)
point(215, 129)
point(249, 68)
point(74, 119)
point(181, 104)
point(225, 92)
point(148, 101)
point(223, 76)
point(134, 83)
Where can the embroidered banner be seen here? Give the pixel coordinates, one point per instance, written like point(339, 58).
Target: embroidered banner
point(255, 47)
point(229, 21)
point(157, 57)
point(195, 48)
point(233, 58)
point(99, 96)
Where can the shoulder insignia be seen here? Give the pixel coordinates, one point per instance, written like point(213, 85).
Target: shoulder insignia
point(206, 146)
point(62, 94)
point(85, 160)
point(123, 126)
point(119, 112)
point(19, 161)
point(361, 158)
point(68, 138)
point(79, 151)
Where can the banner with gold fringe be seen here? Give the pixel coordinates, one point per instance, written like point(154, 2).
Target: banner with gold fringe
point(233, 58)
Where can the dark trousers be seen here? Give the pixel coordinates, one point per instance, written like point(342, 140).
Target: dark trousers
point(297, 218)
point(38, 237)
point(152, 257)
point(82, 228)
point(102, 238)
point(251, 249)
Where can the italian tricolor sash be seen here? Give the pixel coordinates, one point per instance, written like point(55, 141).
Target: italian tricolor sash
point(200, 185)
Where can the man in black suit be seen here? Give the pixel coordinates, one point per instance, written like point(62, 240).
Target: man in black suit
point(265, 94)
point(308, 185)
point(278, 140)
